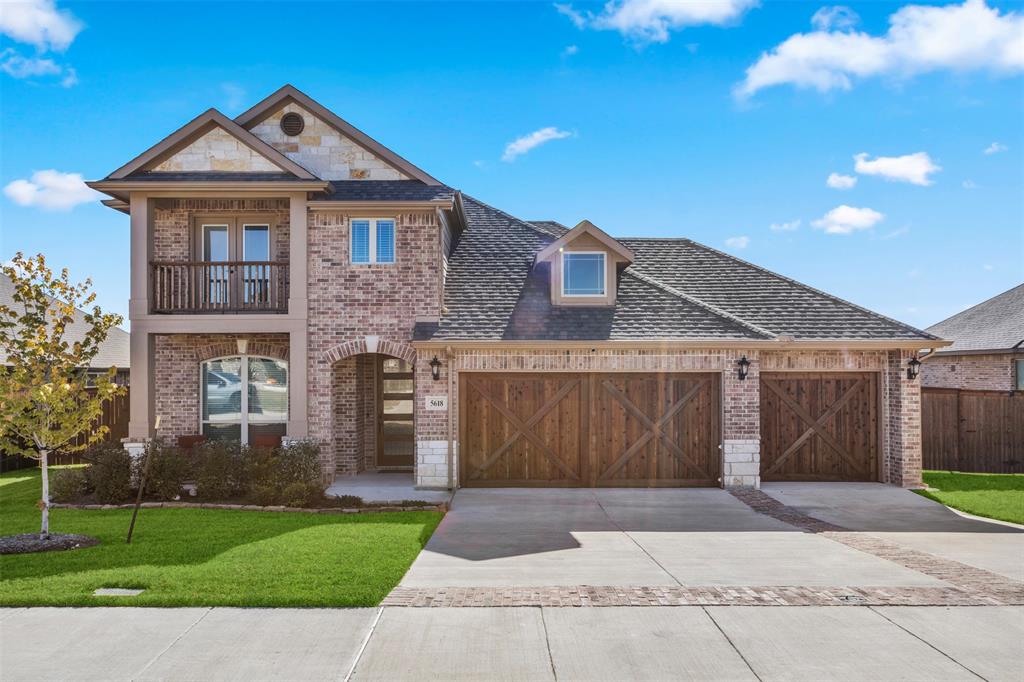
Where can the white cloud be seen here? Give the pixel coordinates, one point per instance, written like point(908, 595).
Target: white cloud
point(837, 181)
point(838, 17)
point(995, 148)
point(848, 219)
point(785, 227)
point(39, 23)
point(920, 39)
point(652, 21)
point(524, 144)
point(987, 267)
point(569, 51)
point(912, 168)
point(969, 184)
point(737, 242)
point(17, 66)
point(51, 190)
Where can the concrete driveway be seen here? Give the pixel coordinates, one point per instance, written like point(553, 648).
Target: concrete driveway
point(696, 537)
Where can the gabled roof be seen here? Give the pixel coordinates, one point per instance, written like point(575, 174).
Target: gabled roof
point(196, 128)
point(289, 93)
point(675, 289)
point(114, 352)
point(993, 325)
point(586, 227)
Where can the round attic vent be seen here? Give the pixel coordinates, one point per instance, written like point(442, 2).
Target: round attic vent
point(292, 124)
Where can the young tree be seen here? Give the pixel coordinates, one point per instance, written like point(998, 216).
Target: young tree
point(46, 400)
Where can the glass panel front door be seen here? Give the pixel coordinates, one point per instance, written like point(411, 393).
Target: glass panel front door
point(395, 413)
point(256, 250)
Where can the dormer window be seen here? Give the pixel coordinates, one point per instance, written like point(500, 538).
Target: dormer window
point(584, 273)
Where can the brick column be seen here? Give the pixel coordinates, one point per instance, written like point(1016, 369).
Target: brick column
point(903, 423)
point(741, 423)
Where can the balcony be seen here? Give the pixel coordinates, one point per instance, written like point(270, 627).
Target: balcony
point(218, 287)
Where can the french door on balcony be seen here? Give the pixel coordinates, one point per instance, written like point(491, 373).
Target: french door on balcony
point(236, 256)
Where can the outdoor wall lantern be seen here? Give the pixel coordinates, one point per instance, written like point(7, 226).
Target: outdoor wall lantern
point(744, 365)
point(435, 369)
point(913, 368)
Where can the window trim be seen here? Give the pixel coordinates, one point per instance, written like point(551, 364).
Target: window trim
point(1018, 380)
point(604, 274)
point(243, 419)
point(372, 237)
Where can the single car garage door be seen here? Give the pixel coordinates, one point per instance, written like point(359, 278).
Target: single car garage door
point(589, 429)
point(819, 426)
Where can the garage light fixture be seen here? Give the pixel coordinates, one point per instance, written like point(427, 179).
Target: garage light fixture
point(913, 368)
point(435, 369)
point(744, 365)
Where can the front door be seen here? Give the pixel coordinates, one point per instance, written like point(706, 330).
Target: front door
point(236, 256)
point(395, 444)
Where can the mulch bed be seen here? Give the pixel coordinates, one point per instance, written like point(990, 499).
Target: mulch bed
point(56, 542)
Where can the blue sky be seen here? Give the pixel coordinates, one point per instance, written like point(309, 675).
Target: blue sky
point(713, 121)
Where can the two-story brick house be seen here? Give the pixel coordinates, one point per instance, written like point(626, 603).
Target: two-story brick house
point(292, 277)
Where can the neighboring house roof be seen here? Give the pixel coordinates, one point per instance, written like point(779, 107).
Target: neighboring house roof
point(114, 352)
point(993, 325)
point(386, 190)
point(675, 289)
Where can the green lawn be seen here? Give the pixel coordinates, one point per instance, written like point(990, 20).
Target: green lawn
point(208, 557)
point(996, 496)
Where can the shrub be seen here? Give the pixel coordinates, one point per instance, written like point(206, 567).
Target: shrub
point(259, 469)
point(298, 494)
point(265, 496)
point(68, 485)
point(299, 462)
point(219, 470)
point(348, 501)
point(169, 468)
point(110, 475)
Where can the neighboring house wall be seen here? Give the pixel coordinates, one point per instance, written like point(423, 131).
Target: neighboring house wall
point(322, 150)
point(971, 372)
point(900, 398)
point(217, 150)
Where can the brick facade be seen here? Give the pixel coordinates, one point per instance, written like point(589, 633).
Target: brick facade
point(357, 309)
point(176, 373)
point(356, 312)
point(995, 372)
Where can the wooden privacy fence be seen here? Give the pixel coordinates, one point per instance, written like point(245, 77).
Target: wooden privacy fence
point(115, 417)
point(979, 431)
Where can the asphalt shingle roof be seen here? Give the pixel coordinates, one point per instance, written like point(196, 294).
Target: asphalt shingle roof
point(114, 352)
point(386, 190)
point(676, 289)
point(995, 324)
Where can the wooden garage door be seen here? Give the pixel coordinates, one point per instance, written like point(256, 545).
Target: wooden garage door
point(589, 430)
point(819, 426)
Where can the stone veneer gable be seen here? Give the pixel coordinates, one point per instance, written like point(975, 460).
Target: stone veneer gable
point(323, 150)
point(217, 150)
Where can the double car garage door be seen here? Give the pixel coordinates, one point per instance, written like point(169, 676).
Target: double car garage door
point(643, 429)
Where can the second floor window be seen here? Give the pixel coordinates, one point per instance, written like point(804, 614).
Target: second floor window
point(373, 240)
point(583, 273)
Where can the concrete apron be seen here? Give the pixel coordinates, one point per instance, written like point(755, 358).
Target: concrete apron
point(675, 537)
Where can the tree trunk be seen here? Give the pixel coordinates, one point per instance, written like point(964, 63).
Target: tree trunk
point(44, 530)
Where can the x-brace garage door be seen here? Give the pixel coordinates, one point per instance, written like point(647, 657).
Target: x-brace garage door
point(588, 429)
point(819, 426)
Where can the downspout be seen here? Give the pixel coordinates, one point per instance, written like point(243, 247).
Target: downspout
point(450, 356)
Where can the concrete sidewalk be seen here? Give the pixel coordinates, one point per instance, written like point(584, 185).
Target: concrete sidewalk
point(655, 643)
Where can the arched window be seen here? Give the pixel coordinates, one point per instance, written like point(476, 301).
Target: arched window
point(243, 396)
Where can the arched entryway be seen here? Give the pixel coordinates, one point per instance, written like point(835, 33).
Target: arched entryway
point(372, 406)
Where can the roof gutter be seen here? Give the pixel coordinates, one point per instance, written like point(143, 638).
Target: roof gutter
point(115, 187)
point(681, 344)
